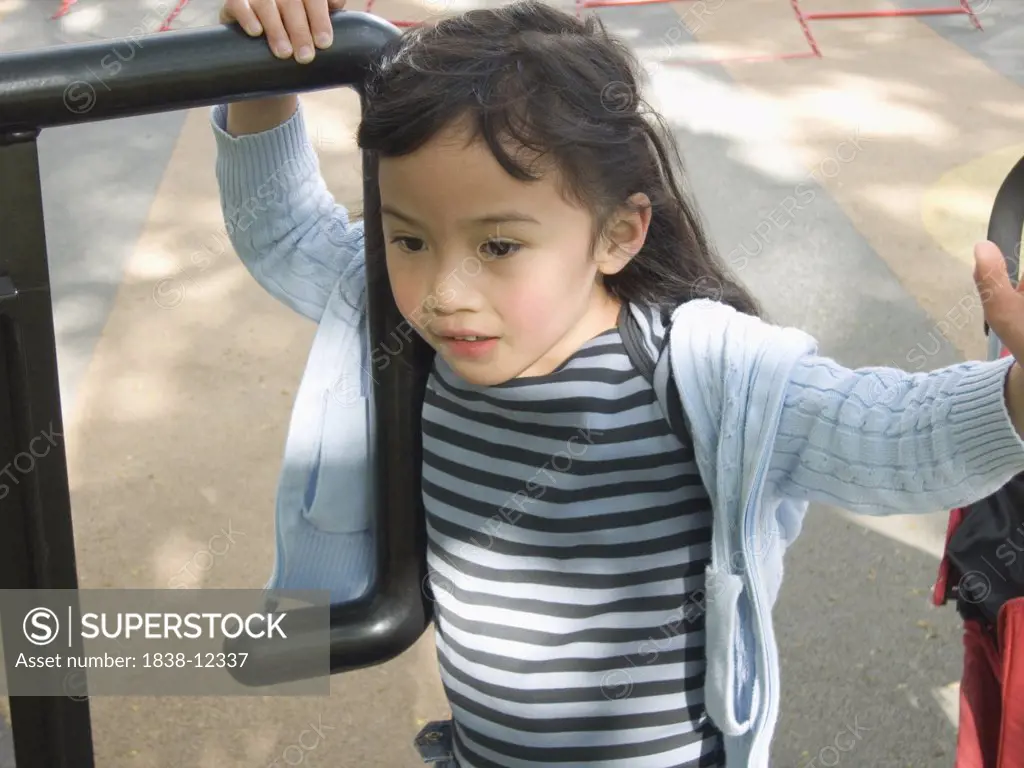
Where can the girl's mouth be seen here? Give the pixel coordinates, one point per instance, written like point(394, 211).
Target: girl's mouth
point(468, 347)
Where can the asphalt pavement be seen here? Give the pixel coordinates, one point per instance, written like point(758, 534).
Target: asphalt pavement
point(893, 144)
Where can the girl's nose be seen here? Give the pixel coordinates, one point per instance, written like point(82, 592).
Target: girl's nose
point(454, 289)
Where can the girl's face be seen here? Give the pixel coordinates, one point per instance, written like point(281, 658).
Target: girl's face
point(473, 252)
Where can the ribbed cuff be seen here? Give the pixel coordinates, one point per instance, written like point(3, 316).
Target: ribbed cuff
point(245, 163)
point(982, 432)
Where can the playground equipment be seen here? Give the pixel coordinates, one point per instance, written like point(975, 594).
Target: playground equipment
point(582, 6)
point(802, 17)
point(175, 12)
point(56, 86)
point(65, 8)
point(964, 7)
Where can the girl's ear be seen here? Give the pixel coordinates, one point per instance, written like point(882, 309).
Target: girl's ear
point(624, 235)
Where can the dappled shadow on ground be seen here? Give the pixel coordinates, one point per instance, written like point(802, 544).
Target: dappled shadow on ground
point(893, 146)
point(175, 443)
point(874, 124)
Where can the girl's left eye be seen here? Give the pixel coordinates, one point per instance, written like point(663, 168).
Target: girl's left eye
point(501, 249)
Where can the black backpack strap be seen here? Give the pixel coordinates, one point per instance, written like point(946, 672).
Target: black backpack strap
point(633, 341)
point(657, 371)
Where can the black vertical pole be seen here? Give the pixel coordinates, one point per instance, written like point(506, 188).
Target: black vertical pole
point(1004, 229)
point(37, 548)
point(1004, 225)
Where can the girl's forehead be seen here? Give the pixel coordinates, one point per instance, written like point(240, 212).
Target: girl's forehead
point(451, 178)
point(459, 149)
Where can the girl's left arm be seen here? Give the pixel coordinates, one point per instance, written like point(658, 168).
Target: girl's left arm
point(880, 440)
point(883, 441)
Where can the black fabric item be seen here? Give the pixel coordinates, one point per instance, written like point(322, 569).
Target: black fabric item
point(632, 340)
point(987, 551)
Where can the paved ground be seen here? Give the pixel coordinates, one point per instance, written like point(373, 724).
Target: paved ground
point(177, 381)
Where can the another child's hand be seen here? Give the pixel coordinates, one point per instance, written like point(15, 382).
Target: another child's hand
point(1002, 303)
point(293, 27)
point(1004, 312)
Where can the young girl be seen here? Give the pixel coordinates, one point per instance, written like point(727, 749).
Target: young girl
point(610, 537)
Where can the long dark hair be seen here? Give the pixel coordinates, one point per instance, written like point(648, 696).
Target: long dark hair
point(534, 78)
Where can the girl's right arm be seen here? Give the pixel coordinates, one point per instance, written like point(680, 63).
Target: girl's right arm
point(282, 220)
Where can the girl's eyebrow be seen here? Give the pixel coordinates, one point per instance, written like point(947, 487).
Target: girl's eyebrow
point(505, 217)
point(501, 217)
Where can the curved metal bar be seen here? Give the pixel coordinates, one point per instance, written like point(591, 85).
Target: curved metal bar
point(1004, 229)
point(159, 72)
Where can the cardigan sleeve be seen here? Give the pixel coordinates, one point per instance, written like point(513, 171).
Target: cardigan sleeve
point(283, 222)
point(884, 441)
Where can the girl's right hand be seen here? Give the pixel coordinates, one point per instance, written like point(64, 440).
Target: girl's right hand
point(293, 27)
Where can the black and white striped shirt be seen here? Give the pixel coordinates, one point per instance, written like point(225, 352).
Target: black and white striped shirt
point(568, 531)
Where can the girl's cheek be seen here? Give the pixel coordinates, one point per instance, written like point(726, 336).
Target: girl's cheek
point(531, 309)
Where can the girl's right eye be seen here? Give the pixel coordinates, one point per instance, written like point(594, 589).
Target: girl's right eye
point(410, 244)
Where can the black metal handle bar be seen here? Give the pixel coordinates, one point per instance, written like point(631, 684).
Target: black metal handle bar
point(1007, 219)
point(124, 77)
point(1004, 229)
point(72, 84)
